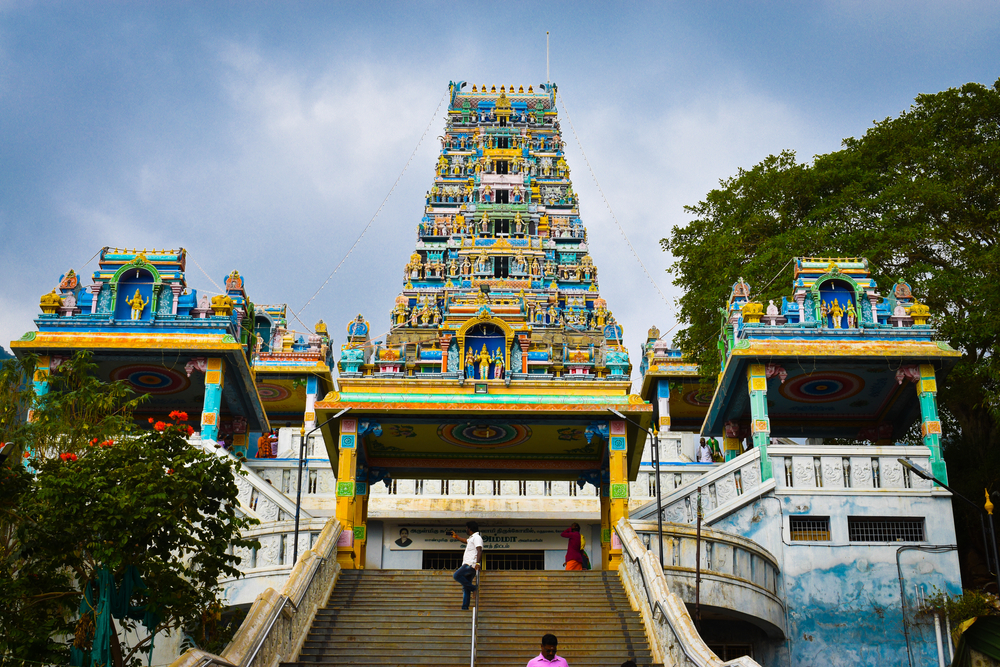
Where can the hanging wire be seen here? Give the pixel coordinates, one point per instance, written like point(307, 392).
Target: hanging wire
point(221, 291)
point(295, 314)
point(608, 204)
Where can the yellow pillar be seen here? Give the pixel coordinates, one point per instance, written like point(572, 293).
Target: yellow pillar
point(346, 510)
point(618, 488)
point(360, 523)
point(605, 526)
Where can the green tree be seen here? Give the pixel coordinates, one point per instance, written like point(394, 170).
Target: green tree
point(134, 507)
point(919, 196)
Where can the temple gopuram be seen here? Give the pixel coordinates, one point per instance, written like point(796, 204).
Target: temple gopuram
point(501, 360)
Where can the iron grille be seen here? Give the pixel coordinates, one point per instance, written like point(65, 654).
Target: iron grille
point(885, 529)
point(809, 528)
point(507, 560)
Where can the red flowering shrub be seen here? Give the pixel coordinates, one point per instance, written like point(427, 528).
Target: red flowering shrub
point(159, 426)
point(179, 415)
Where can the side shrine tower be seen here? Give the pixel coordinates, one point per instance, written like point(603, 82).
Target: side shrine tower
point(502, 361)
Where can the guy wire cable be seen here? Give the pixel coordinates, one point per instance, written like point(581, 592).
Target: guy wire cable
point(608, 204)
point(295, 314)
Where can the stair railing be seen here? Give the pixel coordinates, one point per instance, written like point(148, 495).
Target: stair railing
point(277, 624)
point(475, 618)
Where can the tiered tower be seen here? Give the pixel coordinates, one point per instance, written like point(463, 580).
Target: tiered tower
point(501, 284)
point(502, 361)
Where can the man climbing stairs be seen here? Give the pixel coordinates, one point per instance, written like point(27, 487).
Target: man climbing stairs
point(414, 617)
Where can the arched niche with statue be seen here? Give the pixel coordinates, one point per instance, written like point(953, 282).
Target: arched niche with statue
point(135, 290)
point(480, 333)
point(837, 300)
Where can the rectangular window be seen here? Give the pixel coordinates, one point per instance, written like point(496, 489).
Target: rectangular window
point(501, 267)
point(282, 549)
point(286, 481)
point(502, 168)
point(503, 196)
point(885, 529)
point(809, 528)
point(502, 225)
point(503, 142)
point(313, 480)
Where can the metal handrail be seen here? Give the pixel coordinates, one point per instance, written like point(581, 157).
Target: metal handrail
point(475, 623)
point(267, 633)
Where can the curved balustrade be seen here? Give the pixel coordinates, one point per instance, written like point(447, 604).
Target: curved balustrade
point(737, 575)
point(673, 637)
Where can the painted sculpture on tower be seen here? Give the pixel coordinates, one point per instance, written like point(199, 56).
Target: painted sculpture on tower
point(500, 285)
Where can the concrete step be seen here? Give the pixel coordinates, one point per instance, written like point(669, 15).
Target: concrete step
point(386, 617)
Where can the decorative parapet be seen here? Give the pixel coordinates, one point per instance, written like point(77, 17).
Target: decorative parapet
point(278, 623)
point(723, 490)
point(737, 573)
point(857, 470)
point(672, 635)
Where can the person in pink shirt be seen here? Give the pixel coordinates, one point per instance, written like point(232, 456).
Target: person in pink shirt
point(548, 657)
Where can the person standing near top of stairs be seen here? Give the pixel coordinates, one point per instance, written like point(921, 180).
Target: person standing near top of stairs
point(548, 657)
point(574, 557)
point(471, 561)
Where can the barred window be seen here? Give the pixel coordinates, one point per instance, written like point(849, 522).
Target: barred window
point(885, 529)
point(809, 528)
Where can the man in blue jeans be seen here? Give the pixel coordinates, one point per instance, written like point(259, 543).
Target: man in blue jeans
point(471, 561)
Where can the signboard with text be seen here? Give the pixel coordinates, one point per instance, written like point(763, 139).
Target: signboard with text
point(410, 537)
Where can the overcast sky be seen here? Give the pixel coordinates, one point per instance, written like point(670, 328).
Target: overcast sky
point(264, 136)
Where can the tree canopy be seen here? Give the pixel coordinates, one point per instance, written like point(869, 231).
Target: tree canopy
point(105, 509)
point(919, 196)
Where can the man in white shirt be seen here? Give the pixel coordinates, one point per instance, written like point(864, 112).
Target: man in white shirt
point(704, 452)
point(471, 561)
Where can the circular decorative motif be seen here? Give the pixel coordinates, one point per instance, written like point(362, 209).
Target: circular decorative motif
point(698, 398)
point(824, 387)
point(484, 436)
point(152, 379)
point(270, 393)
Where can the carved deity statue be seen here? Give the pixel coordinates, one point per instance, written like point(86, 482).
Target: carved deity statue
point(837, 312)
point(536, 270)
point(470, 364)
point(498, 369)
point(485, 359)
point(852, 315)
point(466, 266)
point(483, 263)
point(137, 303)
point(518, 223)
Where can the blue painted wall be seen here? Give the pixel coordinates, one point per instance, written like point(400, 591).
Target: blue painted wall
point(843, 599)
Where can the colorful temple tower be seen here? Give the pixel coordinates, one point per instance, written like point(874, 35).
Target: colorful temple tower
point(144, 326)
point(501, 359)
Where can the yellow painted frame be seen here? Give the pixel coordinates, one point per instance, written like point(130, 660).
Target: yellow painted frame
point(485, 316)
